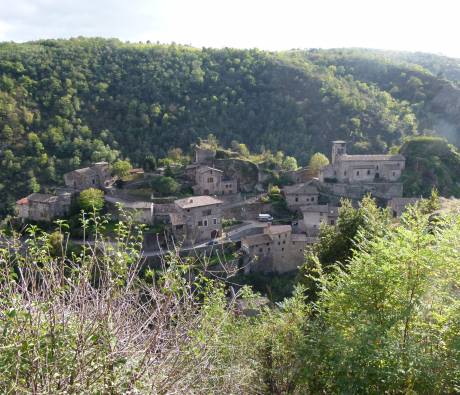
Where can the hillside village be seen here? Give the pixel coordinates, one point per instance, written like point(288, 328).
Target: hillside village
point(231, 200)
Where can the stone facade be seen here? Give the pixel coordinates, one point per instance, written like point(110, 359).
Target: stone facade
point(316, 215)
point(204, 153)
point(96, 176)
point(300, 195)
point(274, 250)
point(43, 207)
point(298, 176)
point(211, 181)
point(197, 219)
point(399, 205)
point(361, 168)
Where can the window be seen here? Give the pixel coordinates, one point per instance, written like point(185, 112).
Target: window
point(206, 212)
point(94, 181)
point(200, 223)
point(284, 241)
point(261, 249)
point(368, 172)
point(357, 172)
point(279, 243)
point(214, 221)
point(345, 173)
point(210, 180)
point(268, 249)
point(179, 227)
point(332, 222)
point(394, 174)
point(296, 199)
point(205, 222)
point(282, 249)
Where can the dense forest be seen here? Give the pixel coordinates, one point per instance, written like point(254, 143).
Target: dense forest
point(66, 103)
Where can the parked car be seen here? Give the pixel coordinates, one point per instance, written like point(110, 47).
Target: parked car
point(265, 218)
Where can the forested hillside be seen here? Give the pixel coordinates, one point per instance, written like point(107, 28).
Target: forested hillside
point(428, 82)
point(65, 103)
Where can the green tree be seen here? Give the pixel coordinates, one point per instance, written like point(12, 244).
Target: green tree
point(121, 168)
point(91, 199)
point(165, 185)
point(317, 162)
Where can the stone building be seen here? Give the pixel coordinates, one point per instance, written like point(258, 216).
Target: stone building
point(277, 249)
point(43, 207)
point(346, 168)
point(316, 215)
point(211, 181)
point(96, 176)
point(298, 176)
point(197, 219)
point(300, 195)
point(399, 205)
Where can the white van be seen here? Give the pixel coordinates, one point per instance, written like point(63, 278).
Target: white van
point(265, 218)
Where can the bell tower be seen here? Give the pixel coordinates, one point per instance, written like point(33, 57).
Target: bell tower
point(339, 148)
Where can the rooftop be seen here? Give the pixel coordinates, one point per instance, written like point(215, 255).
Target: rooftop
point(350, 158)
point(307, 188)
point(42, 198)
point(320, 208)
point(197, 201)
point(277, 229)
point(204, 169)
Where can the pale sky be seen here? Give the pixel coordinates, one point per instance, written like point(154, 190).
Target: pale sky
point(411, 25)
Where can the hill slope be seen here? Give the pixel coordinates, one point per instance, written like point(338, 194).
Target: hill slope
point(65, 103)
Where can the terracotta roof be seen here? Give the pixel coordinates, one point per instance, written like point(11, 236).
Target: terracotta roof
point(22, 201)
point(197, 201)
point(351, 158)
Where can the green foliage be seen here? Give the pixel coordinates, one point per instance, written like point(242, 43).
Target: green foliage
point(91, 199)
point(97, 321)
point(165, 186)
point(121, 168)
point(431, 162)
point(317, 162)
point(67, 103)
point(336, 243)
point(389, 323)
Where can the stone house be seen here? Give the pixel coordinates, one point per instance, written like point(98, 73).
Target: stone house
point(298, 176)
point(96, 176)
point(300, 195)
point(277, 249)
point(197, 219)
point(399, 205)
point(346, 168)
point(211, 181)
point(43, 206)
point(316, 215)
